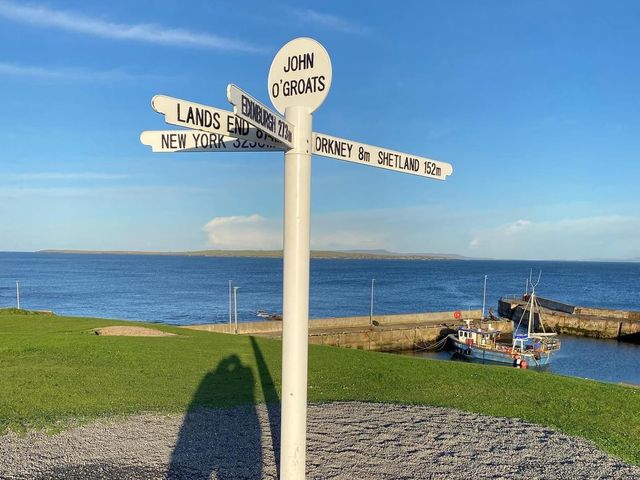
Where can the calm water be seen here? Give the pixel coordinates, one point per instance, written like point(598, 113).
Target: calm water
point(606, 360)
point(187, 290)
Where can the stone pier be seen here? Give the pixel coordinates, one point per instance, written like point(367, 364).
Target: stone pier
point(387, 333)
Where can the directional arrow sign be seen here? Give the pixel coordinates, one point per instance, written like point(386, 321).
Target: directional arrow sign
point(208, 119)
point(256, 113)
point(334, 147)
point(166, 141)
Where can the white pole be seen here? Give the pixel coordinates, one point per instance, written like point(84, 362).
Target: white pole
point(295, 304)
point(371, 312)
point(484, 296)
point(18, 294)
point(235, 306)
point(229, 305)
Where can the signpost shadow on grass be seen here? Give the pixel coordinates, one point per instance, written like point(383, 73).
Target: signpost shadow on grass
point(226, 441)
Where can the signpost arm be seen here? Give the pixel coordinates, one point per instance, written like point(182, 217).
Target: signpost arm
point(295, 327)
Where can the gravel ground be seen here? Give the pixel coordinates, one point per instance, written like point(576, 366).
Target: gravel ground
point(345, 441)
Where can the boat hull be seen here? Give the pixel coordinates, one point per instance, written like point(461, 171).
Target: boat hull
point(485, 354)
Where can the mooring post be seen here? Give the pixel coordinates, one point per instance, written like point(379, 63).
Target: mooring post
point(373, 280)
point(295, 313)
point(235, 306)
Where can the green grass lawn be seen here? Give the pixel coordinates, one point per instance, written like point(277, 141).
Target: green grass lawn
point(54, 371)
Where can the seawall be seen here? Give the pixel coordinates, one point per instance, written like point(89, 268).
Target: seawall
point(570, 319)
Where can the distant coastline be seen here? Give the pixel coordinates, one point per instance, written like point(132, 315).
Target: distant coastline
point(326, 254)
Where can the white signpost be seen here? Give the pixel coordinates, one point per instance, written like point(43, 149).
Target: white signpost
point(300, 75)
point(341, 149)
point(299, 80)
point(208, 119)
point(168, 141)
point(259, 115)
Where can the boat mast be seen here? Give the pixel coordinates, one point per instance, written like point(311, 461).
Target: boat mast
point(532, 304)
point(484, 296)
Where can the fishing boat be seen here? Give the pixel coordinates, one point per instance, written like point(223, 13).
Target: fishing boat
point(528, 348)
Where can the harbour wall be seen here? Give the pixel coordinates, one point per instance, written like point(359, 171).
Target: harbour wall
point(387, 333)
point(569, 319)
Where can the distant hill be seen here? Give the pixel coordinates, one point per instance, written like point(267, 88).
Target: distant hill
point(378, 251)
point(348, 254)
point(614, 260)
point(387, 253)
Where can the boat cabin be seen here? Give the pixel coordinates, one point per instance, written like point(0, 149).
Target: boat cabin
point(478, 336)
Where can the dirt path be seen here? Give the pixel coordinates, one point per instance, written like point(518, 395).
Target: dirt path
point(128, 331)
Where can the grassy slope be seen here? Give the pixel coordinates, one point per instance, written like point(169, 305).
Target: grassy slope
point(53, 370)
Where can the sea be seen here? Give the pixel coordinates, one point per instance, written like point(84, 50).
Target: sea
point(184, 290)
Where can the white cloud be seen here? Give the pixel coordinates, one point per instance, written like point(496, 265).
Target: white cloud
point(68, 176)
point(434, 229)
point(613, 236)
point(328, 232)
point(17, 70)
point(517, 227)
point(252, 232)
point(156, 34)
point(56, 73)
point(349, 231)
point(148, 191)
point(332, 22)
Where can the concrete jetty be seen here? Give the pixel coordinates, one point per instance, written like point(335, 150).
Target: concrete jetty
point(569, 319)
point(386, 333)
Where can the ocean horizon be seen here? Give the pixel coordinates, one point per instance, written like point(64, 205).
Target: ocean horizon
point(180, 290)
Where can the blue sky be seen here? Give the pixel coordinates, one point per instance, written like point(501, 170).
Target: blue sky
point(536, 104)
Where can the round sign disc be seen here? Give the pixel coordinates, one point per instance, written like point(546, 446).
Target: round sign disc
point(300, 75)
